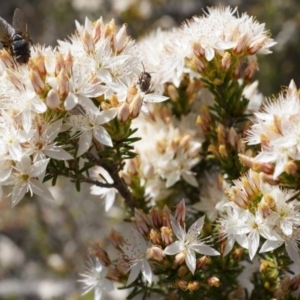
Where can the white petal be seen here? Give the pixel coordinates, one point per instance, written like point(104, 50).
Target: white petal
point(190, 178)
point(293, 252)
point(15, 151)
point(110, 198)
point(38, 167)
point(209, 53)
point(106, 115)
point(18, 193)
point(253, 243)
point(57, 152)
point(204, 249)
point(147, 272)
point(103, 136)
point(177, 229)
point(26, 120)
point(172, 178)
point(41, 190)
point(195, 229)
point(84, 142)
point(286, 227)
point(98, 293)
point(190, 260)
point(38, 106)
point(71, 101)
point(229, 244)
point(270, 246)
point(5, 173)
point(174, 248)
point(134, 273)
point(155, 98)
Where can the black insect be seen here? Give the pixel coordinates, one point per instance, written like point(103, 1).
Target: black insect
point(15, 39)
point(144, 80)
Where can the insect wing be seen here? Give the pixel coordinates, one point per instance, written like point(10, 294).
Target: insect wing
point(20, 23)
point(6, 33)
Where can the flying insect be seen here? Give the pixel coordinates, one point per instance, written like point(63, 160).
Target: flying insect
point(15, 38)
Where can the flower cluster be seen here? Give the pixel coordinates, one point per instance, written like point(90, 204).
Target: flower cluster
point(258, 211)
point(63, 99)
point(158, 242)
point(277, 130)
point(167, 152)
point(208, 45)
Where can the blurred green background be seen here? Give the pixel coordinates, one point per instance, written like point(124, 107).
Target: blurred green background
point(43, 245)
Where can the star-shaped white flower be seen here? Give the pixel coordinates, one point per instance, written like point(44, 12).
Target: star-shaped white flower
point(25, 180)
point(94, 278)
point(90, 125)
point(189, 243)
point(137, 256)
point(107, 194)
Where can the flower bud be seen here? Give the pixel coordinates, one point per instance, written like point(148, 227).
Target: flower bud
point(226, 61)
point(37, 82)
point(101, 254)
point(156, 215)
point(197, 64)
point(172, 92)
point(121, 39)
point(180, 257)
point(166, 235)
point(202, 262)
point(291, 168)
point(180, 212)
point(97, 30)
point(198, 50)
point(142, 222)
point(182, 271)
point(193, 286)
point(116, 239)
point(132, 91)
point(110, 28)
point(213, 281)
point(155, 237)
point(135, 106)
point(87, 42)
point(68, 62)
point(123, 113)
point(295, 282)
point(155, 253)
point(52, 99)
point(182, 284)
point(250, 70)
point(62, 84)
point(241, 43)
point(257, 45)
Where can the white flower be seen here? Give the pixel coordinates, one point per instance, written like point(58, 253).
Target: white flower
point(136, 255)
point(89, 125)
point(107, 194)
point(94, 278)
point(234, 227)
point(189, 243)
point(259, 226)
point(212, 196)
point(24, 179)
point(42, 144)
point(277, 129)
point(11, 137)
